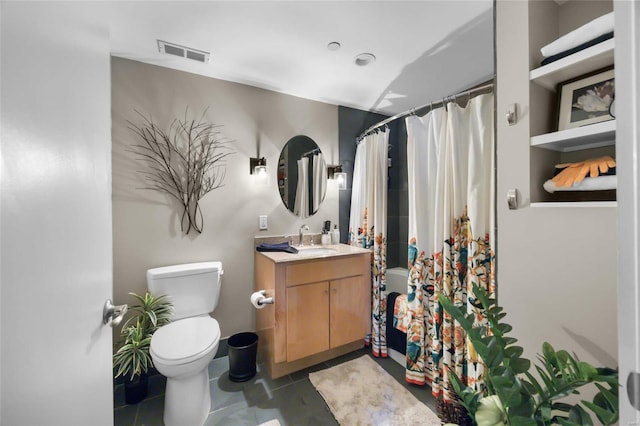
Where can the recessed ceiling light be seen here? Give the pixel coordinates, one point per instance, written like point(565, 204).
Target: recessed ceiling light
point(334, 45)
point(365, 59)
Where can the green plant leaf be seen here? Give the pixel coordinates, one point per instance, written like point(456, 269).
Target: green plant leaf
point(580, 416)
point(534, 383)
point(508, 390)
point(522, 421)
point(513, 352)
point(563, 421)
point(520, 365)
point(523, 410)
point(468, 397)
point(510, 340)
point(610, 395)
point(549, 354)
point(548, 382)
point(587, 371)
point(605, 416)
point(505, 328)
point(561, 406)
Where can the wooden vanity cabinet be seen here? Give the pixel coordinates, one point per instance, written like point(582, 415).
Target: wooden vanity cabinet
point(322, 309)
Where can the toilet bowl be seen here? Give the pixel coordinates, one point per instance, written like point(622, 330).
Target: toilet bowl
point(181, 351)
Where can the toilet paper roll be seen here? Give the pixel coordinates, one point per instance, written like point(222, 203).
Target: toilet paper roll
point(256, 300)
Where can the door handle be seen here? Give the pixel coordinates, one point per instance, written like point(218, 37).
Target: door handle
point(633, 389)
point(113, 314)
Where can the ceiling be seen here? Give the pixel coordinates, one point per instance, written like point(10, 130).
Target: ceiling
point(424, 50)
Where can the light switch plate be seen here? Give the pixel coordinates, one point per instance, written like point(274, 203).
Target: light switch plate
point(263, 221)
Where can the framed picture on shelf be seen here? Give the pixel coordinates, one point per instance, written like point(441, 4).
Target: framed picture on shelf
point(586, 100)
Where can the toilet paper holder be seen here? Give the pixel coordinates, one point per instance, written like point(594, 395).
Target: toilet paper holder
point(266, 300)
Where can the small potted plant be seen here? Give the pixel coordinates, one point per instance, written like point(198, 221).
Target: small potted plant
point(132, 360)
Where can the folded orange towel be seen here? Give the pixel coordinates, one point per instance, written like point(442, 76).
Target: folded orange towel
point(576, 172)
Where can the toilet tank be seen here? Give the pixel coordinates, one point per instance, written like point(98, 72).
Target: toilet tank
point(193, 288)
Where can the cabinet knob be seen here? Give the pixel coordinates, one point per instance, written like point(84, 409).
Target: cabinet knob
point(335, 290)
point(326, 292)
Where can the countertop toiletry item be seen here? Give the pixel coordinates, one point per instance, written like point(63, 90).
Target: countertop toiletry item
point(325, 239)
point(335, 235)
point(326, 228)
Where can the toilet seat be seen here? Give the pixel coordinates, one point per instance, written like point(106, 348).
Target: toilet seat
point(185, 340)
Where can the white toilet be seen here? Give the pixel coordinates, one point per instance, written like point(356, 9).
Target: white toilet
point(182, 349)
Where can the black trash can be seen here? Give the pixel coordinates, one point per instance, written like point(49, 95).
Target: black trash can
point(243, 348)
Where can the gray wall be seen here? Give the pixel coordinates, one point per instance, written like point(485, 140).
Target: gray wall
point(146, 228)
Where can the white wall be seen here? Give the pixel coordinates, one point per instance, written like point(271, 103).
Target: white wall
point(556, 272)
point(146, 228)
point(56, 215)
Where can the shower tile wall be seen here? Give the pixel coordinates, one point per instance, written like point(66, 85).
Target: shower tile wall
point(398, 201)
point(352, 123)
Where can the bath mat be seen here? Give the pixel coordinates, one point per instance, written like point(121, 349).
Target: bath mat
point(360, 392)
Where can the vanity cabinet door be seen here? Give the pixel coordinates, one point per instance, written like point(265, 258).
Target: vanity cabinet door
point(307, 320)
point(350, 309)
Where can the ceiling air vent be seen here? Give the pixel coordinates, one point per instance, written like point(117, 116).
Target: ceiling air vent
point(183, 52)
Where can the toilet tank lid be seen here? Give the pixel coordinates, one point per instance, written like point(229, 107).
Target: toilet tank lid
point(184, 269)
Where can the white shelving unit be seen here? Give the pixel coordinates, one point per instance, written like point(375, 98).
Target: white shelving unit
point(580, 63)
point(597, 135)
point(579, 138)
point(578, 204)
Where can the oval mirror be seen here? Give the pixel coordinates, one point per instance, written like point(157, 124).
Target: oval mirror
point(302, 176)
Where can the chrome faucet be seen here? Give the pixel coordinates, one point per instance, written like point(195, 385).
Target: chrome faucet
point(302, 228)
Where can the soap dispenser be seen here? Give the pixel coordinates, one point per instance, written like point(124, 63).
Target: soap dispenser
point(326, 233)
point(335, 235)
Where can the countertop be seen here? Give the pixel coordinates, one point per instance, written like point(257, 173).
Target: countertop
point(340, 250)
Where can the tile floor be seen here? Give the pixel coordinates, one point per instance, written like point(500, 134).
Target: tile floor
point(291, 399)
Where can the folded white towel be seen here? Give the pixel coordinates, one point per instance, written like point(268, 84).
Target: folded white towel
point(599, 183)
point(588, 31)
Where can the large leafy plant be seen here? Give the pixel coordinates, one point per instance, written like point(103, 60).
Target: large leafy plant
point(514, 396)
point(133, 358)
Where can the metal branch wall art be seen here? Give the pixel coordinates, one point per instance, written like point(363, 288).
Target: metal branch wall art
point(186, 162)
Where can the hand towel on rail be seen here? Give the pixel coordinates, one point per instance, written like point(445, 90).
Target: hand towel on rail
point(401, 318)
point(284, 247)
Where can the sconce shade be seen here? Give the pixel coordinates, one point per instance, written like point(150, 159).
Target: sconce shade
point(341, 178)
point(336, 173)
point(258, 166)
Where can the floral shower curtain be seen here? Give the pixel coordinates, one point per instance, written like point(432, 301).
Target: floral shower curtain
point(368, 224)
point(450, 154)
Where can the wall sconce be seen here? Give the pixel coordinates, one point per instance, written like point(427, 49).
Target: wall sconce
point(336, 173)
point(258, 166)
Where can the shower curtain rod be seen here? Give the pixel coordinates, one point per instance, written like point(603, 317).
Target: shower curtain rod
point(433, 105)
point(313, 151)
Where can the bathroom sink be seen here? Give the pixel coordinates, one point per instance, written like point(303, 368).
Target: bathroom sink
point(316, 251)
